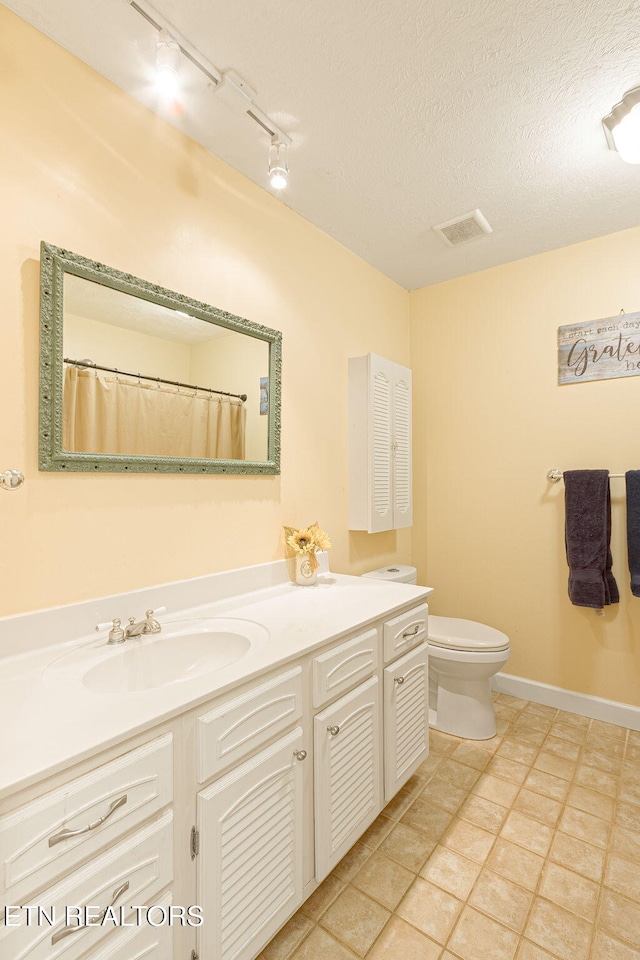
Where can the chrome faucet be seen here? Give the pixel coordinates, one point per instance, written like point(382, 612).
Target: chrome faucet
point(133, 629)
point(148, 625)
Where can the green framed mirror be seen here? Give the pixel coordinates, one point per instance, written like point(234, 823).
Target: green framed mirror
point(136, 378)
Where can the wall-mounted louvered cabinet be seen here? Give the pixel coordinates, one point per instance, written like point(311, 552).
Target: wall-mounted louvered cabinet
point(380, 495)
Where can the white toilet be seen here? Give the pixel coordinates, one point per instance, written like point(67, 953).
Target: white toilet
point(463, 656)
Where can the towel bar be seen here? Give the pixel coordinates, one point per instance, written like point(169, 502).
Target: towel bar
point(555, 476)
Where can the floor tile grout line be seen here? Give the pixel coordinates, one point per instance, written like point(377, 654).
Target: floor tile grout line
point(448, 749)
point(606, 854)
point(534, 892)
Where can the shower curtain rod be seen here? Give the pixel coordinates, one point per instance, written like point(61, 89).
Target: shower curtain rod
point(142, 376)
point(555, 476)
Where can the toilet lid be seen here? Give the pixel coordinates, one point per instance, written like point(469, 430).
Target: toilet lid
point(464, 635)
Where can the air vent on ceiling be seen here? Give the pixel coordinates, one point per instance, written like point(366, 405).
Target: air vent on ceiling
point(470, 226)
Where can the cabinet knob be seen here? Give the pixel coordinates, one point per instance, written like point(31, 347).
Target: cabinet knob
point(398, 680)
point(300, 754)
point(334, 730)
point(414, 632)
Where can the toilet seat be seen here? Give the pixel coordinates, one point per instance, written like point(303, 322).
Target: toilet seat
point(465, 635)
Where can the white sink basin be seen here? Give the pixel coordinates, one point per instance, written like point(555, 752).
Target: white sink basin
point(184, 650)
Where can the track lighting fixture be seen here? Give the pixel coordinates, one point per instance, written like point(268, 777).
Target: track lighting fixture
point(278, 166)
point(229, 88)
point(167, 65)
point(622, 127)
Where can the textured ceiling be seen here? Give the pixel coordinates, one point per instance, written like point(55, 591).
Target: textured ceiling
point(93, 301)
point(403, 114)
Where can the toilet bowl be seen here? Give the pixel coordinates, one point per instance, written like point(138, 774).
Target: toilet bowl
point(463, 656)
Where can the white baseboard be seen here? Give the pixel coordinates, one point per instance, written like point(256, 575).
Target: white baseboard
point(623, 714)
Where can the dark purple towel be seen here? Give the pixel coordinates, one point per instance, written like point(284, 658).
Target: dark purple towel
point(633, 528)
point(587, 537)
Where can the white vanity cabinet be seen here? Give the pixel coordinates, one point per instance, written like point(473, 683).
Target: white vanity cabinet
point(264, 842)
point(241, 804)
point(380, 489)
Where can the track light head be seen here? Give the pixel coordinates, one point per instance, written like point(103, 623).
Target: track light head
point(167, 66)
point(278, 166)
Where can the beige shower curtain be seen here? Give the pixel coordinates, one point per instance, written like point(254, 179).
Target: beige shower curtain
point(121, 415)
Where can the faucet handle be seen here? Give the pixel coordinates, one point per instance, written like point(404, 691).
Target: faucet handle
point(108, 625)
point(155, 613)
point(116, 634)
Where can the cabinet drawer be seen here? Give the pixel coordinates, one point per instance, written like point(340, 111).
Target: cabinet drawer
point(36, 840)
point(139, 943)
point(404, 632)
point(237, 727)
point(344, 666)
point(132, 872)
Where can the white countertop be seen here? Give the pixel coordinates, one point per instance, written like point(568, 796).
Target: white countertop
point(48, 725)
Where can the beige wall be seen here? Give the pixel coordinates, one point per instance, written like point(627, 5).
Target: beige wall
point(490, 421)
point(87, 168)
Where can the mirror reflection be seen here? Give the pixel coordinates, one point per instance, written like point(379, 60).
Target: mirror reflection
point(142, 379)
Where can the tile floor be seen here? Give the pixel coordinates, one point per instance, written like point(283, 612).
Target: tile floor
point(524, 847)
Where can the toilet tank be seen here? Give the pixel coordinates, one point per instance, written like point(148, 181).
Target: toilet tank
point(397, 573)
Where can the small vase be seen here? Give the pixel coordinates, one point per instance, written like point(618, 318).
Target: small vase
point(305, 575)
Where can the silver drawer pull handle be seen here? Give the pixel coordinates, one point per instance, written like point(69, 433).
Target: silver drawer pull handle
point(412, 633)
point(300, 754)
point(334, 731)
point(65, 834)
point(398, 680)
point(66, 931)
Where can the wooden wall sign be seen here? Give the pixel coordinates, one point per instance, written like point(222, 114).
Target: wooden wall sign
point(599, 349)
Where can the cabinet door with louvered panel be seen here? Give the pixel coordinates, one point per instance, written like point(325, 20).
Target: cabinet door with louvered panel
point(381, 446)
point(348, 782)
point(406, 718)
point(380, 493)
point(401, 445)
point(250, 855)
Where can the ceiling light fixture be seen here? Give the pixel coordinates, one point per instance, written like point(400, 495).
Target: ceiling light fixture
point(622, 127)
point(167, 65)
point(229, 87)
point(278, 166)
